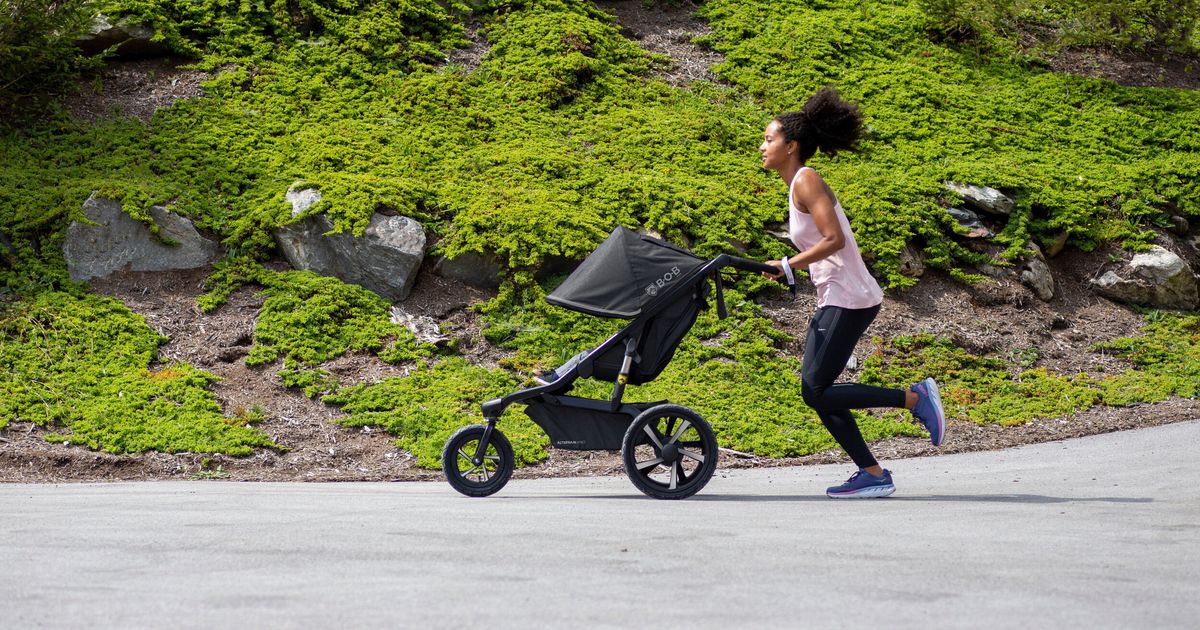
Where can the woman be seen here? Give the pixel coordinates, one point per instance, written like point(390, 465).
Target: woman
point(848, 298)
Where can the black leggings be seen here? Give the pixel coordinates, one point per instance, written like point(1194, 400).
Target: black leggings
point(830, 342)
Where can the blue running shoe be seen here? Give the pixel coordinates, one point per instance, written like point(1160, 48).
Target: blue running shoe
point(863, 485)
point(928, 410)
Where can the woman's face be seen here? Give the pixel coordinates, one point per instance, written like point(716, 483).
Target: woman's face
point(774, 149)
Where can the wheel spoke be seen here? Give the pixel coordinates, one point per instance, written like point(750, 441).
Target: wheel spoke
point(691, 454)
point(682, 427)
point(674, 475)
point(649, 463)
point(653, 437)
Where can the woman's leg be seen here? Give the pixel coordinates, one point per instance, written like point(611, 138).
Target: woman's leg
point(832, 335)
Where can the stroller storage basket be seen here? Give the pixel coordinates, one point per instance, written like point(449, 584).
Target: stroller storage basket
point(583, 424)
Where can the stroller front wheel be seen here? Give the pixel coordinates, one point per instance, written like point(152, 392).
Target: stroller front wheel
point(477, 477)
point(670, 452)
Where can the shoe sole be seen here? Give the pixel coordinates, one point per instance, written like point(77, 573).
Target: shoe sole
point(875, 492)
point(936, 397)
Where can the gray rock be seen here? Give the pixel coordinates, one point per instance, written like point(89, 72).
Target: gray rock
point(1036, 275)
point(302, 198)
point(779, 231)
point(1060, 243)
point(470, 268)
point(1180, 225)
point(969, 220)
point(982, 197)
point(122, 242)
point(132, 40)
point(385, 259)
point(423, 327)
point(1157, 278)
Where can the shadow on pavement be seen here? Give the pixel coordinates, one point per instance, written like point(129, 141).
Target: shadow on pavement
point(968, 498)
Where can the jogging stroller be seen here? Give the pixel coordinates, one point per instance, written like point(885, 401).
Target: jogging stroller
point(669, 451)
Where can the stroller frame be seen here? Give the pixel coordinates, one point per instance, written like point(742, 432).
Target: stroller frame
point(613, 423)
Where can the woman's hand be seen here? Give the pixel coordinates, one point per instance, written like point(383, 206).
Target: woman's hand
point(778, 270)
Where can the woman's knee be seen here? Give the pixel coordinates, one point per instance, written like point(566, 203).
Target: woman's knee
point(813, 395)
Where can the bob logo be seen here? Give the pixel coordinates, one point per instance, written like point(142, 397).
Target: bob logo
point(654, 287)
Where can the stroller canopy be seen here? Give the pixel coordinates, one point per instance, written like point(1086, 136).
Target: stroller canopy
point(624, 274)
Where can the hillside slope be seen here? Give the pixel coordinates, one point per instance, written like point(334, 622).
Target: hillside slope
point(522, 132)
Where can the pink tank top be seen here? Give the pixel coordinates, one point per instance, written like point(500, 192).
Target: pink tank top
point(841, 279)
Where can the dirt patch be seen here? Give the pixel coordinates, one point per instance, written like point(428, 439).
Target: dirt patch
point(668, 29)
point(1149, 68)
point(471, 56)
point(133, 89)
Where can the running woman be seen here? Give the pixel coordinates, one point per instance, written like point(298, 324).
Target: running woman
point(848, 298)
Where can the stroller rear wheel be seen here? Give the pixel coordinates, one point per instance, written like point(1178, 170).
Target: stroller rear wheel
point(670, 452)
point(482, 477)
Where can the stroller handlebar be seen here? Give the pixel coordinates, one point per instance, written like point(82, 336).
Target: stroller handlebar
point(745, 264)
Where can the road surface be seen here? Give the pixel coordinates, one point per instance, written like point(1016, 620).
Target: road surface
point(1101, 532)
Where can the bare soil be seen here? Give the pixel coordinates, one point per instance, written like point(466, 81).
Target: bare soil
point(134, 89)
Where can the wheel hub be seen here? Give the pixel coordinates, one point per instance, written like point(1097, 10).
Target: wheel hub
point(670, 453)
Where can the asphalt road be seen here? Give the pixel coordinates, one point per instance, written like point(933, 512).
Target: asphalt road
point(1096, 532)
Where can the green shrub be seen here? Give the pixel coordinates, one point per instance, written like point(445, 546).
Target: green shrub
point(995, 390)
point(424, 408)
point(83, 364)
point(308, 319)
point(38, 53)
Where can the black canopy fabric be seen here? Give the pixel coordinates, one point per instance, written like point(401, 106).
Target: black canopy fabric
point(624, 274)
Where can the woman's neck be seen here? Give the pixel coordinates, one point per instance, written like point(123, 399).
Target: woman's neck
point(788, 171)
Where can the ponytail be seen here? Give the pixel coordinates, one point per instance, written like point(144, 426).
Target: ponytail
point(826, 123)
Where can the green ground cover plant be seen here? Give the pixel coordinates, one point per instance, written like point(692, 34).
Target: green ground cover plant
point(87, 364)
point(308, 319)
point(995, 390)
point(427, 406)
point(562, 132)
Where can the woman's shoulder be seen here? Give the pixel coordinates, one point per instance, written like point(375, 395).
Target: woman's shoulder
point(808, 180)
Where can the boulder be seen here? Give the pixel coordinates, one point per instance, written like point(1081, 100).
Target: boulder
point(1036, 275)
point(779, 231)
point(471, 269)
point(987, 199)
point(1060, 243)
point(969, 220)
point(385, 259)
point(1180, 225)
point(132, 40)
point(119, 241)
point(1157, 278)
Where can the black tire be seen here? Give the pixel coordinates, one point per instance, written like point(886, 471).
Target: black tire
point(670, 452)
point(477, 479)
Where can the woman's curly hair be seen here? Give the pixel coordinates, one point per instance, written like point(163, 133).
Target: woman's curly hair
point(826, 122)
